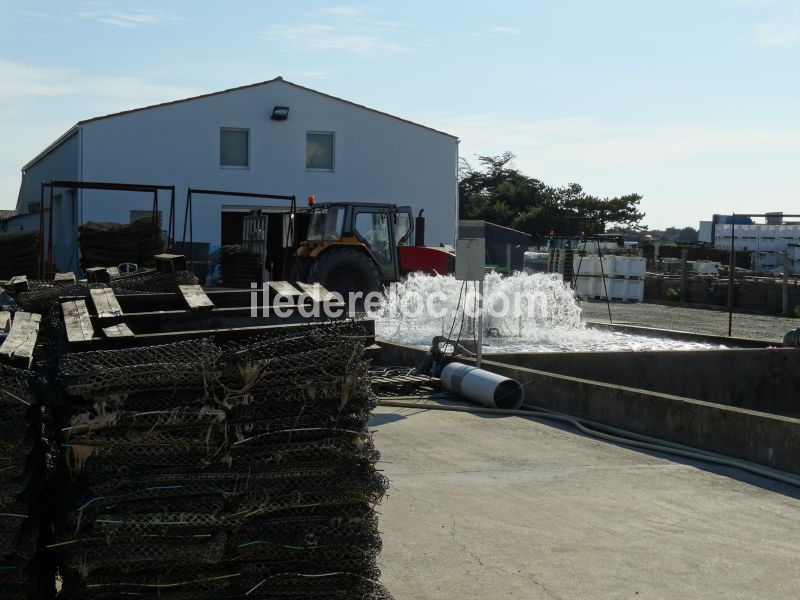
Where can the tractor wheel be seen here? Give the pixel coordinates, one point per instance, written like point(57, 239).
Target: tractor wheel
point(346, 270)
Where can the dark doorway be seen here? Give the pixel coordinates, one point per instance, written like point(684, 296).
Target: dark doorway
point(232, 223)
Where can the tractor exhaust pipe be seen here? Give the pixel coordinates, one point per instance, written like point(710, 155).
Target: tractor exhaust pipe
point(419, 229)
point(485, 388)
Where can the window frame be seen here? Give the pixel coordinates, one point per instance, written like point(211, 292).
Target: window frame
point(332, 135)
point(249, 148)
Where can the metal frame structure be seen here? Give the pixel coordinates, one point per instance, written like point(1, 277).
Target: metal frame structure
point(46, 262)
point(188, 215)
point(732, 264)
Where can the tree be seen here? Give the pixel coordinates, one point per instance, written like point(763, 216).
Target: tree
point(500, 193)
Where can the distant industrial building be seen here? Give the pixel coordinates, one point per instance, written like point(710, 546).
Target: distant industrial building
point(767, 242)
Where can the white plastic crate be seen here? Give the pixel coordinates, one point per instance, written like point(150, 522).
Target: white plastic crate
point(628, 290)
point(627, 266)
point(705, 267)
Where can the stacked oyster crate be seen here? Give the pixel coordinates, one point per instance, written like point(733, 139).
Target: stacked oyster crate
point(214, 471)
point(199, 462)
point(21, 484)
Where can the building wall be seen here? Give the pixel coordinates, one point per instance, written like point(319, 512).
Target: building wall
point(62, 163)
point(377, 158)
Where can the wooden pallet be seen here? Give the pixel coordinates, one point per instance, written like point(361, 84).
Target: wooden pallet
point(109, 320)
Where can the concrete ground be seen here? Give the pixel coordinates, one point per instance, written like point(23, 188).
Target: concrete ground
point(694, 320)
point(484, 507)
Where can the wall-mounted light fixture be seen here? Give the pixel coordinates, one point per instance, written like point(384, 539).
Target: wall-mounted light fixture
point(280, 113)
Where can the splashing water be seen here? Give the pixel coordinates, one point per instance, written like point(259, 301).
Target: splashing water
point(522, 313)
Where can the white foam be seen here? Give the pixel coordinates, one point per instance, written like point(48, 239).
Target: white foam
point(541, 315)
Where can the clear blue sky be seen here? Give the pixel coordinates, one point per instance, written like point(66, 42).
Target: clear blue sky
point(694, 104)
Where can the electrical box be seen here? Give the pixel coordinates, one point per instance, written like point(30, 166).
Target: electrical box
point(470, 259)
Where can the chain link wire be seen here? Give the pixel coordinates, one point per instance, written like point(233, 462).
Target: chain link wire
point(205, 470)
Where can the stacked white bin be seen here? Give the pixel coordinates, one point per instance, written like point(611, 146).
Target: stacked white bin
point(614, 277)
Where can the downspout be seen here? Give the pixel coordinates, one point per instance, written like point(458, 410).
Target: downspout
point(455, 230)
point(80, 175)
point(80, 199)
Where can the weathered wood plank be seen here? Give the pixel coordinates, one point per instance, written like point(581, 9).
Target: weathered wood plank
point(118, 330)
point(195, 297)
point(284, 288)
point(77, 321)
point(18, 347)
point(65, 278)
point(105, 303)
point(5, 320)
point(317, 291)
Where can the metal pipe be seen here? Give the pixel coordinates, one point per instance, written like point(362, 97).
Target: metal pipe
point(479, 349)
point(731, 277)
point(792, 338)
point(171, 226)
point(684, 274)
point(486, 388)
point(785, 298)
point(50, 236)
point(41, 232)
point(242, 194)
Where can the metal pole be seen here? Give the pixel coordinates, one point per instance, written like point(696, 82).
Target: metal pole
point(684, 274)
point(731, 277)
point(479, 349)
point(191, 233)
point(50, 235)
point(41, 232)
point(785, 284)
point(186, 216)
point(172, 218)
point(605, 287)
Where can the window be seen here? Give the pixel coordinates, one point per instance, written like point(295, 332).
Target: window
point(373, 229)
point(234, 148)
point(326, 224)
point(33, 207)
point(402, 228)
point(319, 150)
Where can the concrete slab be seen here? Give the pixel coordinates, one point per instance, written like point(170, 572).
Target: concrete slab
point(505, 507)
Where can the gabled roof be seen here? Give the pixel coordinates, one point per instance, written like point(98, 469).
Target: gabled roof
point(79, 124)
point(72, 131)
point(5, 215)
point(252, 85)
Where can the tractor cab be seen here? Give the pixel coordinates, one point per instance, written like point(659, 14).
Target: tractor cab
point(352, 246)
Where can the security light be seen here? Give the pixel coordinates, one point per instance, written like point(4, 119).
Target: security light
point(280, 113)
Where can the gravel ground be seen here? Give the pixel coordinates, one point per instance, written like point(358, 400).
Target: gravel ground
point(694, 320)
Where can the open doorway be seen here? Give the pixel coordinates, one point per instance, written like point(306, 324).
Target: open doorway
point(263, 229)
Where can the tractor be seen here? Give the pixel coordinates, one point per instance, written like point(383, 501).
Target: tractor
point(359, 247)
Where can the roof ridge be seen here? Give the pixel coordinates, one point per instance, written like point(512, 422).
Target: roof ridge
point(252, 85)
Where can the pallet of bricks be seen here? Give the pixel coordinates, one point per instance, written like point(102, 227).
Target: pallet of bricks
point(211, 469)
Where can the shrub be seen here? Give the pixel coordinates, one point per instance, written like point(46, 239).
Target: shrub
point(673, 294)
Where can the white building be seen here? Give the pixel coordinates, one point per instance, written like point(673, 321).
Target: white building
point(327, 147)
